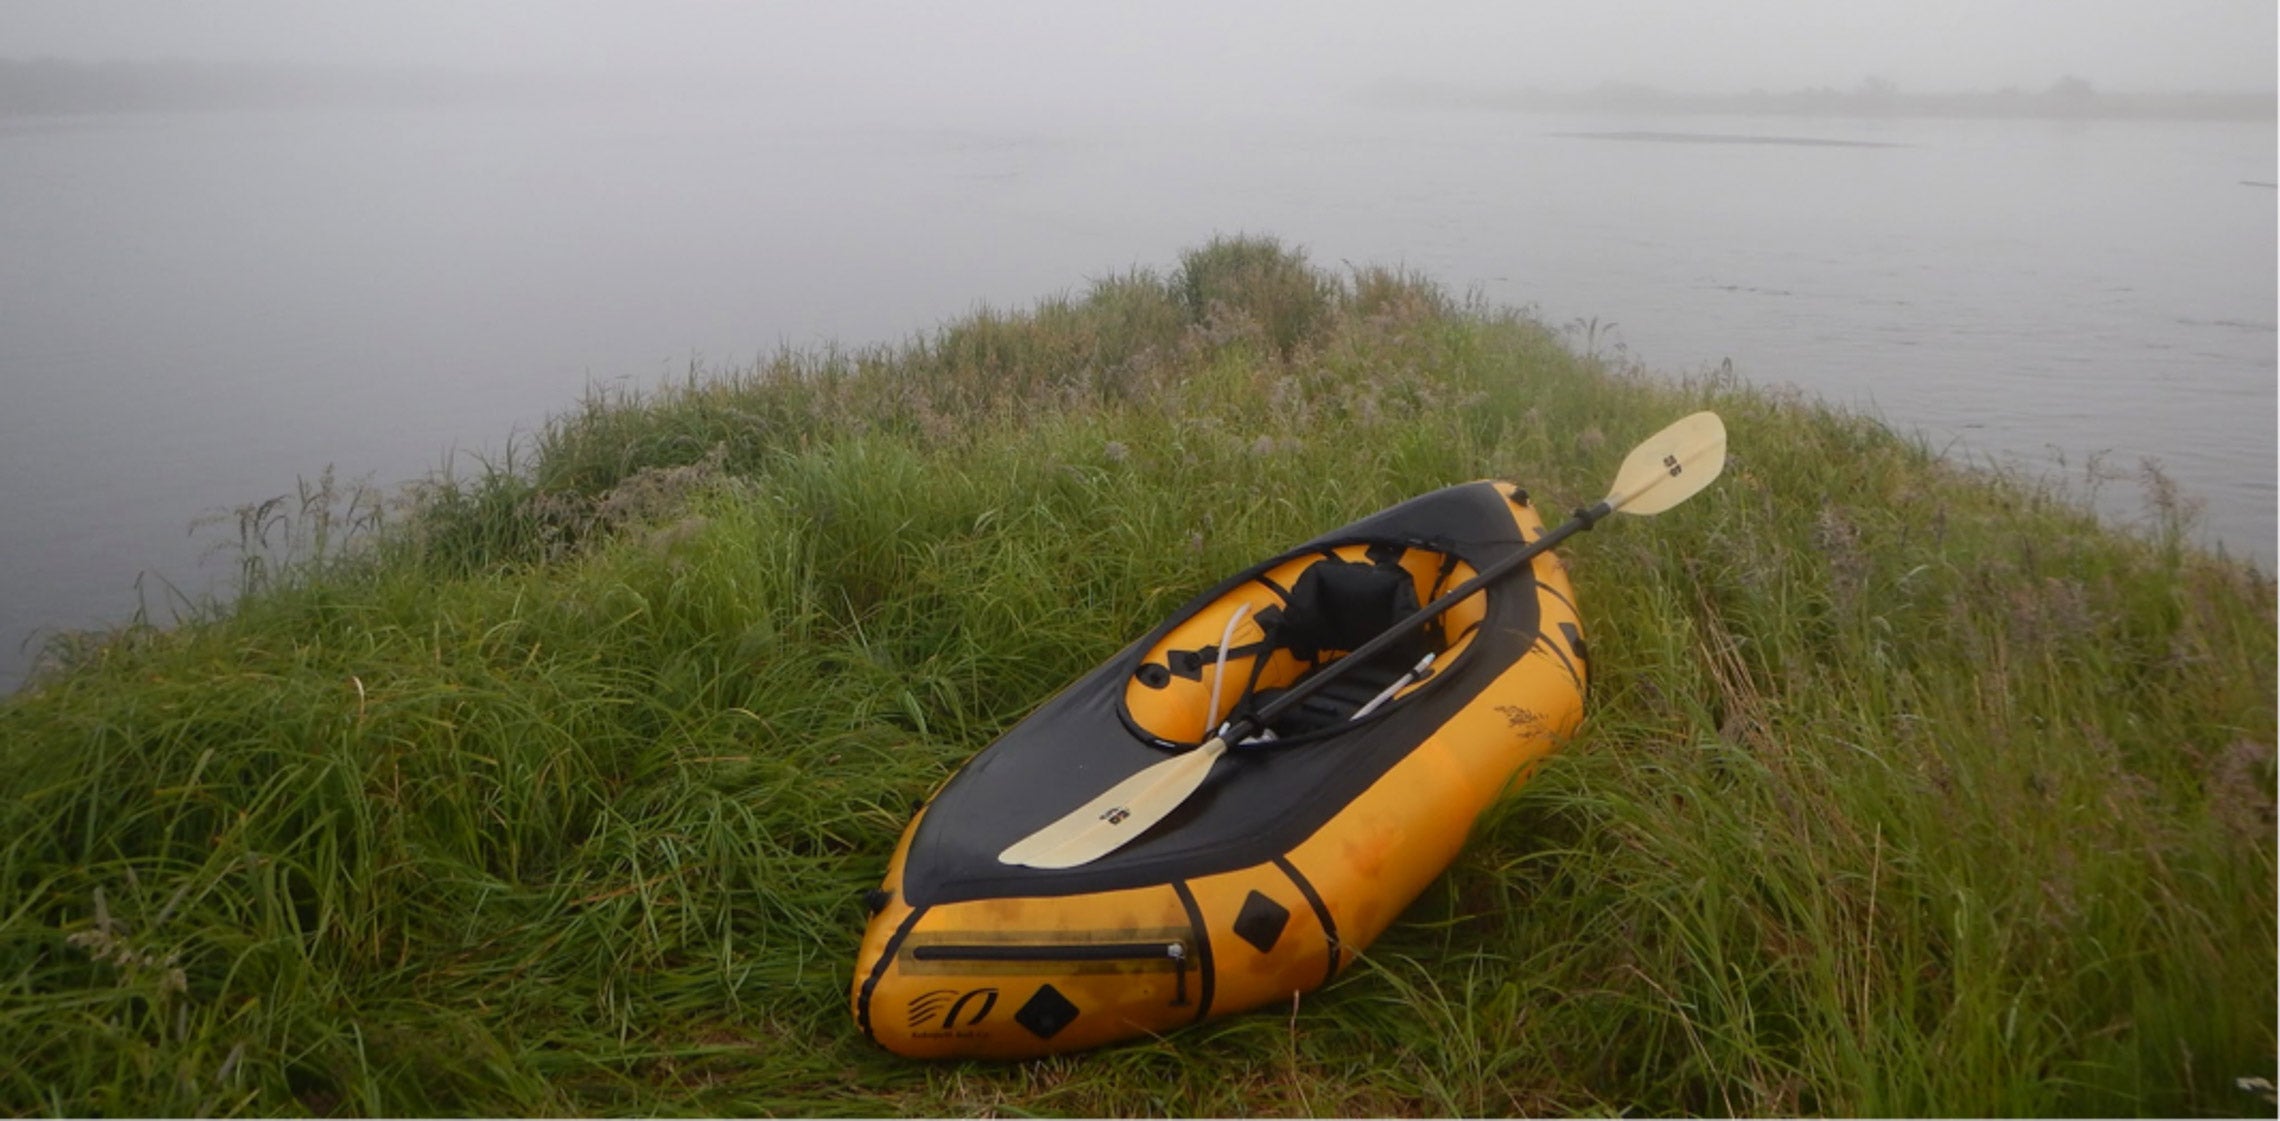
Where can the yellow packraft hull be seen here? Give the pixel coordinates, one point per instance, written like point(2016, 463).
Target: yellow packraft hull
point(1273, 893)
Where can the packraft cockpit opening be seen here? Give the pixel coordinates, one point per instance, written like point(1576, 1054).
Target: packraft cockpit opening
point(1282, 623)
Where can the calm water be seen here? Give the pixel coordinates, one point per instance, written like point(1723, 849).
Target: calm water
point(196, 310)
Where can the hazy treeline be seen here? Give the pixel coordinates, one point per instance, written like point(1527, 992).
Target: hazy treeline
point(2069, 97)
point(46, 85)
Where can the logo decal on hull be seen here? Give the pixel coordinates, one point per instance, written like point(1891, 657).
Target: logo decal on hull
point(950, 1005)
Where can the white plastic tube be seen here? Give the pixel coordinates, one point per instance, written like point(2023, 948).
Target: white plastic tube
point(1219, 669)
point(1424, 664)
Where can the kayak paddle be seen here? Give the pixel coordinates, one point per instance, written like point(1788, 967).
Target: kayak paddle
point(1672, 466)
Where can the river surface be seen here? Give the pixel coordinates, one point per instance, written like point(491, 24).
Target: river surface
point(199, 310)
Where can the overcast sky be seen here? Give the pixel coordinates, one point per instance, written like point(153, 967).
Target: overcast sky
point(1286, 50)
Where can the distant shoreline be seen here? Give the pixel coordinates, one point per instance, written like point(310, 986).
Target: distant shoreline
point(1723, 138)
point(52, 87)
point(2067, 100)
point(48, 86)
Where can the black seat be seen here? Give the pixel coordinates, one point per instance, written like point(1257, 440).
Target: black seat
point(1335, 607)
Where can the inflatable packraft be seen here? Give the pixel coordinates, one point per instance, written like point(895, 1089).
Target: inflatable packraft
point(1305, 841)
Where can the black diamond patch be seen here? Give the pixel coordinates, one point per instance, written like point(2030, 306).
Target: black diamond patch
point(1046, 1013)
point(1261, 921)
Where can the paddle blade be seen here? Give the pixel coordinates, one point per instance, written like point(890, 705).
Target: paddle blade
point(1125, 811)
point(1672, 466)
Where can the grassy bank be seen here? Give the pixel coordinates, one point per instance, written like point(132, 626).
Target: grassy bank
point(1903, 789)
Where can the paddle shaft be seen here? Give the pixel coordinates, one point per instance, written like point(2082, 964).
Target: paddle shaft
point(1584, 519)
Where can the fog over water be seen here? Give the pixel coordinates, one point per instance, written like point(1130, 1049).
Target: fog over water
point(290, 236)
point(994, 59)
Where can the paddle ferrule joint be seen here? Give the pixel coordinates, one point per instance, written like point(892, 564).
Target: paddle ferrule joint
point(1244, 734)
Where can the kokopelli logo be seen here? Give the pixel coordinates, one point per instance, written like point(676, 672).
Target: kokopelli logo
point(950, 1004)
point(1116, 815)
point(1671, 462)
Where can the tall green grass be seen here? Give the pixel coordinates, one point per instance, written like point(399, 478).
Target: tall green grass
point(553, 788)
